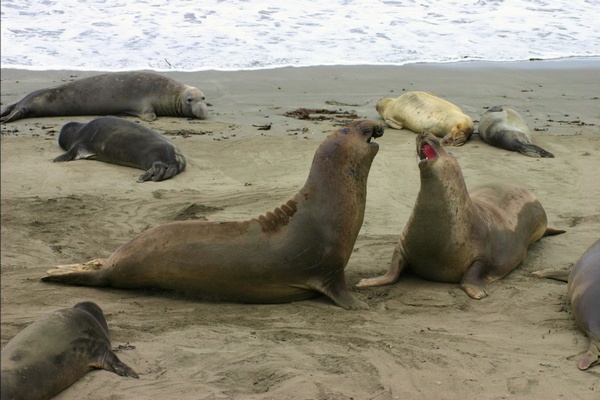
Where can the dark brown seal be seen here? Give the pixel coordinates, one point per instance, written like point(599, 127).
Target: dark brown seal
point(56, 351)
point(584, 295)
point(123, 142)
point(296, 252)
point(503, 127)
point(143, 94)
point(456, 236)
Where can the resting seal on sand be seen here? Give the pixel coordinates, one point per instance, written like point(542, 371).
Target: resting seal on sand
point(295, 252)
point(421, 111)
point(57, 350)
point(143, 94)
point(584, 294)
point(119, 141)
point(456, 236)
point(503, 127)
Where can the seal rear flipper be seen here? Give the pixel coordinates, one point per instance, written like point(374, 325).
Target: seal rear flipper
point(591, 357)
point(11, 113)
point(87, 274)
point(110, 362)
point(159, 172)
point(562, 275)
point(532, 150)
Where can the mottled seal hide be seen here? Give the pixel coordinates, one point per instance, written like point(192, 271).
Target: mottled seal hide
point(584, 295)
point(455, 236)
point(296, 252)
point(503, 127)
point(57, 350)
point(422, 111)
point(143, 94)
point(123, 142)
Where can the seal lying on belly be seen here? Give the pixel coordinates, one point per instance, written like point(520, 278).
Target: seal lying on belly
point(422, 111)
point(503, 127)
point(455, 236)
point(584, 294)
point(143, 94)
point(296, 252)
point(123, 142)
point(56, 351)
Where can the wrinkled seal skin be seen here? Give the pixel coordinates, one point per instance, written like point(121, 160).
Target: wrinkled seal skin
point(456, 236)
point(584, 294)
point(503, 127)
point(422, 111)
point(142, 94)
point(296, 252)
point(123, 142)
point(57, 350)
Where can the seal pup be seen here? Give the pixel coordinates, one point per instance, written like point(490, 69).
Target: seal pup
point(143, 94)
point(503, 127)
point(123, 142)
point(422, 111)
point(57, 350)
point(296, 252)
point(584, 294)
point(455, 236)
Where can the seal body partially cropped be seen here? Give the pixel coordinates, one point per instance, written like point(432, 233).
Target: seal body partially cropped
point(455, 236)
point(422, 111)
point(503, 127)
point(296, 252)
point(57, 350)
point(584, 295)
point(123, 142)
point(142, 94)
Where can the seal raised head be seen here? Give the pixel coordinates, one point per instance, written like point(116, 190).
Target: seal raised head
point(456, 236)
point(142, 94)
point(422, 111)
point(503, 127)
point(56, 351)
point(123, 142)
point(296, 252)
point(584, 295)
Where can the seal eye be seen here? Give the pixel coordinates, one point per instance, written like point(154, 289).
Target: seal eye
point(344, 130)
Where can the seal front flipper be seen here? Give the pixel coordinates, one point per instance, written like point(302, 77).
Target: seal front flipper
point(338, 292)
point(393, 273)
point(553, 274)
point(591, 357)
point(475, 280)
point(392, 123)
point(68, 156)
point(110, 362)
point(532, 150)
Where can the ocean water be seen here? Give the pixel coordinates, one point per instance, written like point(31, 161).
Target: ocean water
point(185, 35)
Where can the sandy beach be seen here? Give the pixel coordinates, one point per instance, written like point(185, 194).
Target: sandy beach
point(418, 340)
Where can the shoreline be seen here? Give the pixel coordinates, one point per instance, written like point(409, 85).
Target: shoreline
point(418, 340)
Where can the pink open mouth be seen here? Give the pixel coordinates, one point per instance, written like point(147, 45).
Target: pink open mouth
point(428, 151)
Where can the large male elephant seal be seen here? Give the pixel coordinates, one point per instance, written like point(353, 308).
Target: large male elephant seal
point(143, 94)
point(296, 252)
point(123, 142)
point(422, 111)
point(57, 350)
point(455, 236)
point(584, 294)
point(503, 127)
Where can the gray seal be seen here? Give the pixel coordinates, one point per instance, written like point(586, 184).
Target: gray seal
point(584, 295)
point(56, 351)
point(123, 142)
point(298, 251)
point(503, 127)
point(143, 94)
point(453, 235)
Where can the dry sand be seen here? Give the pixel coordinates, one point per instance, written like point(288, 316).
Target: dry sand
point(418, 340)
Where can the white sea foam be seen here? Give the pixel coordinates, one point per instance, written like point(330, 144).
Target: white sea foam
point(188, 35)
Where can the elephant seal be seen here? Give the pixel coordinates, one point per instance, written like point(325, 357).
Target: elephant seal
point(296, 252)
point(503, 127)
point(455, 236)
point(422, 111)
point(123, 142)
point(584, 294)
point(57, 350)
point(142, 94)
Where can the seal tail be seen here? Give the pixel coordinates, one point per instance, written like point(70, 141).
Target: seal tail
point(86, 274)
point(531, 150)
point(552, 231)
